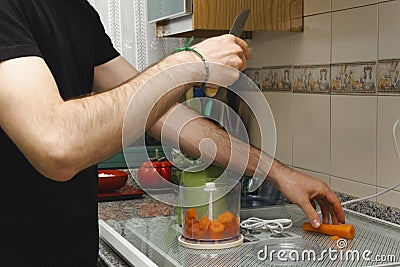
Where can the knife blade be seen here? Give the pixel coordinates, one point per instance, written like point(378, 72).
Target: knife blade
point(240, 21)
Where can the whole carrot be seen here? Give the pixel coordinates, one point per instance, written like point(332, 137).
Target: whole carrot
point(341, 230)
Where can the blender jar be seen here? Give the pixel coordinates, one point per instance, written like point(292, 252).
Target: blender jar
point(210, 214)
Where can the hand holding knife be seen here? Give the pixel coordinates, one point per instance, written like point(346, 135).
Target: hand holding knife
point(240, 22)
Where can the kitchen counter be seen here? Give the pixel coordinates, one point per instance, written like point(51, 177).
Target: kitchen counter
point(144, 207)
point(148, 207)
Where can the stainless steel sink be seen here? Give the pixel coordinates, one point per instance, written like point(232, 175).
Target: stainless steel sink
point(155, 239)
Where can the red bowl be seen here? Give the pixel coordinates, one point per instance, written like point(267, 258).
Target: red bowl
point(111, 180)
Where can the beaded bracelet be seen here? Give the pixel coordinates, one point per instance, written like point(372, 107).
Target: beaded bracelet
point(187, 47)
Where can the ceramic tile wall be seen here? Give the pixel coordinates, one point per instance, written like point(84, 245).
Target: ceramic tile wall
point(355, 34)
point(311, 130)
point(318, 175)
point(343, 78)
point(343, 4)
point(312, 7)
point(281, 106)
point(353, 138)
point(388, 167)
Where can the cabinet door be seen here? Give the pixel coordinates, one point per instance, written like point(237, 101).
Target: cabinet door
point(158, 10)
point(214, 17)
point(266, 15)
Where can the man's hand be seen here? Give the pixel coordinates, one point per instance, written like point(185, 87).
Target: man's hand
point(226, 56)
point(235, 52)
point(304, 191)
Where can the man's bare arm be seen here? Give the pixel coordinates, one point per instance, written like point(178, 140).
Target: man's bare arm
point(60, 138)
point(301, 189)
point(113, 74)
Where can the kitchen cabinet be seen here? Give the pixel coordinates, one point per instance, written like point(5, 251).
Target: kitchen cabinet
point(206, 18)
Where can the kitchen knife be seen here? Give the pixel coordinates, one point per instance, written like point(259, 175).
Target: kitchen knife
point(240, 21)
point(236, 30)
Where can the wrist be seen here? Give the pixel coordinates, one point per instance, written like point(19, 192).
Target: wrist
point(196, 56)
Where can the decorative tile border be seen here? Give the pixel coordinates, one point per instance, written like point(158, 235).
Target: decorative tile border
point(277, 78)
point(381, 77)
point(349, 78)
point(311, 79)
point(255, 75)
point(388, 77)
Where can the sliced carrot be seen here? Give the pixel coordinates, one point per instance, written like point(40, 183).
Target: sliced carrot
point(204, 222)
point(341, 230)
point(190, 222)
point(187, 226)
point(236, 226)
point(228, 219)
point(191, 214)
point(193, 231)
point(216, 230)
point(190, 230)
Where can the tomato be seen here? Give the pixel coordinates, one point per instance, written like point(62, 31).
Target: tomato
point(150, 171)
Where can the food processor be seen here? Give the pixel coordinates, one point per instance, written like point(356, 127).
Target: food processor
point(210, 212)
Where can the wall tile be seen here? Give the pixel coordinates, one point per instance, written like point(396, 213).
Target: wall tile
point(262, 130)
point(255, 75)
point(276, 78)
point(311, 132)
point(355, 35)
point(388, 76)
point(350, 78)
point(352, 188)
point(313, 46)
point(388, 163)
point(281, 106)
point(271, 49)
point(389, 23)
point(312, 7)
point(311, 79)
point(341, 4)
point(320, 176)
point(353, 138)
point(391, 198)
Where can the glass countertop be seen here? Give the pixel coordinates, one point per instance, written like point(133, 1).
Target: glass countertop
point(154, 242)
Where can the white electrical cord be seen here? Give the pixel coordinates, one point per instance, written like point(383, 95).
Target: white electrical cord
point(275, 226)
point(279, 225)
point(388, 189)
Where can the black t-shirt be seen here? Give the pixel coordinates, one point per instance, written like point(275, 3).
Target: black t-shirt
point(43, 222)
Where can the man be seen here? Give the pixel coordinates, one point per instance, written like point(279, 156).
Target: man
point(64, 91)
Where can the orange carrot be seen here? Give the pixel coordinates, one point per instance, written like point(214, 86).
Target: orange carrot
point(342, 230)
point(236, 226)
point(204, 222)
point(191, 214)
point(194, 230)
point(216, 230)
point(197, 232)
point(190, 222)
point(228, 219)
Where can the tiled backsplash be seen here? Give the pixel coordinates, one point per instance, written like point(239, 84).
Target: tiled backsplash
point(382, 76)
point(334, 90)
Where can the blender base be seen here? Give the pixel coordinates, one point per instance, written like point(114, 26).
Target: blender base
point(216, 245)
